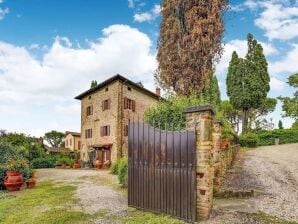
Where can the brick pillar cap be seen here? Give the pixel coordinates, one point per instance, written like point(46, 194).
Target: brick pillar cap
point(199, 109)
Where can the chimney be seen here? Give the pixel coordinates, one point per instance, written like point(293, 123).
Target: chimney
point(140, 84)
point(157, 91)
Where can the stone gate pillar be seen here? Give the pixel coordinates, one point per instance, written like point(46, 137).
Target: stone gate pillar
point(201, 118)
point(216, 138)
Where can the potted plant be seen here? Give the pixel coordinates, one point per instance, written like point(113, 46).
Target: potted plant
point(14, 178)
point(31, 182)
point(77, 164)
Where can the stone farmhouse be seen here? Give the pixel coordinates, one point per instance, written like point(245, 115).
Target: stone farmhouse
point(72, 140)
point(105, 113)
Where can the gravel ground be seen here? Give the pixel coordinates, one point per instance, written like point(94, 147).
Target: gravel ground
point(272, 171)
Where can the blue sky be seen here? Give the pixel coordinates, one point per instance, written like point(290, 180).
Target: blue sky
point(50, 50)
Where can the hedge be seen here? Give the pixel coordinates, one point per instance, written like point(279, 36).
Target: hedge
point(43, 163)
point(249, 140)
point(285, 136)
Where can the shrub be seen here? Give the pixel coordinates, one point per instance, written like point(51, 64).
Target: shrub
point(2, 175)
point(64, 160)
point(123, 171)
point(114, 168)
point(249, 140)
point(46, 162)
point(285, 136)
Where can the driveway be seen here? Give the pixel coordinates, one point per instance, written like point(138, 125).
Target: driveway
point(272, 172)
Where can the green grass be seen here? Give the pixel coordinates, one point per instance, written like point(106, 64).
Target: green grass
point(268, 219)
point(139, 217)
point(48, 203)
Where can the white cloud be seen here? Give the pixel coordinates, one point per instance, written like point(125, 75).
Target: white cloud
point(1, 1)
point(240, 46)
point(278, 21)
point(287, 64)
point(34, 46)
point(276, 84)
point(41, 88)
point(148, 16)
point(3, 13)
point(131, 4)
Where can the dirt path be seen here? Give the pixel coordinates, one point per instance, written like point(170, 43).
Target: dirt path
point(270, 171)
point(97, 190)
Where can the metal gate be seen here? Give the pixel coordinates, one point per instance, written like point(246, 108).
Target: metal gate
point(161, 171)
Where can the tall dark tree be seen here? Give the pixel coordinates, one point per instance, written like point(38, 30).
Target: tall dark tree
point(290, 104)
point(93, 84)
point(190, 41)
point(248, 79)
point(211, 92)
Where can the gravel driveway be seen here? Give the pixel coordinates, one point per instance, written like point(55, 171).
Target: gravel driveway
point(272, 171)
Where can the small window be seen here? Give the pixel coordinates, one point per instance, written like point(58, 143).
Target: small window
point(105, 130)
point(106, 104)
point(89, 97)
point(89, 110)
point(107, 89)
point(129, 104)
point(125, 130)
point(88, 133)
point(128, 88)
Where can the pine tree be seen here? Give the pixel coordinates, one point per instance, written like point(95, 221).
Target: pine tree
point(190, 41)
point(248, 79)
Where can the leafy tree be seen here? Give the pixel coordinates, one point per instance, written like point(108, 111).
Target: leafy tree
point(290, 105)
point(248, 79)
point(280, 126)
point(54, 138)
point(229, 112)
point(266, 106)
point(295, 125)
point(190, 41)
point(93, 84)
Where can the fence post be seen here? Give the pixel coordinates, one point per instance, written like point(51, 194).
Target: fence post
point(201, 118)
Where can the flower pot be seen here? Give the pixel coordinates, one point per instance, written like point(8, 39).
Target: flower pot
point(33, 175)
point(63, 166)
point(224, 144)
point(13, 181)
point(76, 166)
point(31, 183)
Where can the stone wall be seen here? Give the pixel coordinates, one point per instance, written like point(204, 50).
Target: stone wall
point(212, 159)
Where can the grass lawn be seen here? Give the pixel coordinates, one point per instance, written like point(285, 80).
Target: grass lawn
point(48, 203)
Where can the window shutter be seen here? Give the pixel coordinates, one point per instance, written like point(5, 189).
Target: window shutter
point(109, 103)
point(108, 155)
point(108, 131)
point(92, 110)
point(91, 133)
point(125, 103)
point(133, 105)
point(102, 105)
point(101, 132)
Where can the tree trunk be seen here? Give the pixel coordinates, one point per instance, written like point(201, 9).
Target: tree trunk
point(245, 120)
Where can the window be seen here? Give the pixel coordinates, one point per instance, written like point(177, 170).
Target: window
point(70, 142)
point(128, 88)
point(88, 133)
point(107, 89)
point(89, 97)
point(105, 130)
point(125, 130)
point(79, 144)
point(106, 104)
point(89, 110)
point(129, 104)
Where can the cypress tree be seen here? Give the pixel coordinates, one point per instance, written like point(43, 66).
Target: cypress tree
point(248, 79)
point(190, 41)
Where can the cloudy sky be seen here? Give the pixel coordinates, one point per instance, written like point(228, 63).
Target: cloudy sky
point(50, 50)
